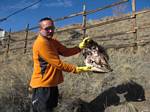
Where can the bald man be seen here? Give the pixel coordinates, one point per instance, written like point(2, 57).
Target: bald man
point(48, 67)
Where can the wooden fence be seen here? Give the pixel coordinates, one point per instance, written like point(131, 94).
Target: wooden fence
point(84, 26)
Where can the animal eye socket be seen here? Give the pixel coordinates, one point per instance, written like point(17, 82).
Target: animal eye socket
point(89, 53)
point(94, 47)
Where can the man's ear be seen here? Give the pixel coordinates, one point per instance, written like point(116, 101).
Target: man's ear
point(40, 27)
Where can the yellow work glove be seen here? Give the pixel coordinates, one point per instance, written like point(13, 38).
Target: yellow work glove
point(84, 42)
point(83, 69)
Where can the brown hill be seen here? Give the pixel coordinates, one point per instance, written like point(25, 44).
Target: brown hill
point(129, 54)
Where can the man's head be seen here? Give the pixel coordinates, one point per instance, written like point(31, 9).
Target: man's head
point(47, 27)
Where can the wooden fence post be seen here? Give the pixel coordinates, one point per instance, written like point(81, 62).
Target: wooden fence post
point(26, 39)
point(133, 7)
point(84, 20)
point(134, 15)
point(134, 24)
point(8, 42)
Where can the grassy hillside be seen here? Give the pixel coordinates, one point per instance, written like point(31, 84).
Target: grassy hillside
point(129, 63)
point(15, 76)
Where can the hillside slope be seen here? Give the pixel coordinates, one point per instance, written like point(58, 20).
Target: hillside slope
point(96, 91)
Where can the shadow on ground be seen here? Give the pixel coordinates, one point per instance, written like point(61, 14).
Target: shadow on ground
point(126, 92)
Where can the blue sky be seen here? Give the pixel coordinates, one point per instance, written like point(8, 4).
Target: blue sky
point(56, 9)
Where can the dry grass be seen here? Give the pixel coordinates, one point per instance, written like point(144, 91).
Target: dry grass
point(127, 63)
point(14, 85)
point(16, 71)
point(127, 107)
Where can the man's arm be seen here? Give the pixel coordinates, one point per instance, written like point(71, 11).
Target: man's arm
point(47, 53)
point(64, 51)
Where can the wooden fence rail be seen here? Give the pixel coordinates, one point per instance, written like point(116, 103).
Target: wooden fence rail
point(129, 16)
point(82, 13)
point(84, 26)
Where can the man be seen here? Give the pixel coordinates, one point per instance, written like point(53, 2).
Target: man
point(48, 67)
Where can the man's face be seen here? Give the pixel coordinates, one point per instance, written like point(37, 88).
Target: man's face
point(47, 28)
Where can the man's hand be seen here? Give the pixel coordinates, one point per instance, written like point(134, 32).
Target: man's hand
point(83, 69)
point(30, 90)
point(84, 42)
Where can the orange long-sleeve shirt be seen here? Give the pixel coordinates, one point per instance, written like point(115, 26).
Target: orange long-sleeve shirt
point(47, 65)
